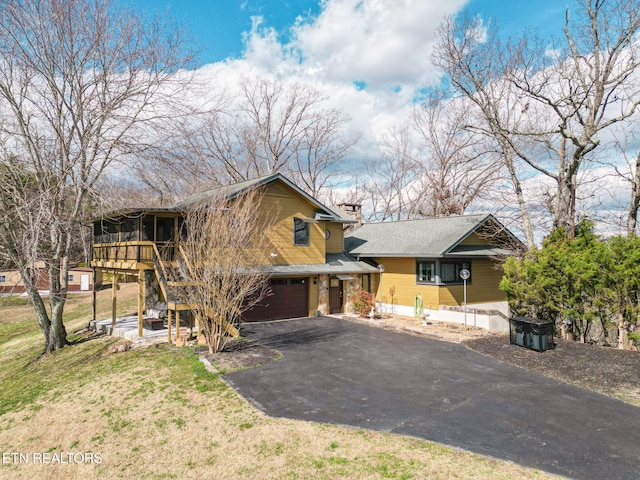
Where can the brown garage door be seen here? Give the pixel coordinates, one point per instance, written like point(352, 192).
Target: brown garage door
point(289, 299)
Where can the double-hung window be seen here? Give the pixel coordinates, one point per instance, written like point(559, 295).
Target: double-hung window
point(426, 271)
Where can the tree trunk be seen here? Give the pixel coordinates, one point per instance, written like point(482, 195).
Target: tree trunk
point(57, 337)
point(41, 312)
point(623, 335)
point(561, 213)
point(632, 218)
point(58, 282)
point(526, 220)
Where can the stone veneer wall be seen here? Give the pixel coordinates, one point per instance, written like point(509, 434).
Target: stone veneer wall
point(323, 294)
point(151, 289)
point(350, 287)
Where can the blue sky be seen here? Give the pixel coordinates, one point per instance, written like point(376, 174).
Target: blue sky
point(369, 58)
point(218, 25)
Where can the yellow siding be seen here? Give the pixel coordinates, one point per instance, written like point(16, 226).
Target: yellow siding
point(280, 205)
point(452, 296)
point(285, 207)
point(335, 243)
point(400, 273)
point(474, 239)
point(482, 289)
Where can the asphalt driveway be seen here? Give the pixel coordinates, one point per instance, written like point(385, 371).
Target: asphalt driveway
point(340, 372)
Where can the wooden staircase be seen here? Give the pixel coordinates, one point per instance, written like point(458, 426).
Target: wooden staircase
point(178, 289)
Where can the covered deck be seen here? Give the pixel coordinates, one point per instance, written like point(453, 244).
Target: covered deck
point(142, 244)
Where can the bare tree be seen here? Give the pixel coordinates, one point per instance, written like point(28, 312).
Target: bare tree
point(634, 202)
point(78, 79)
point(354, 193)
point(456, 164)
point(324, 146)
point(469, 54)
point(630, 173)
point(570, 92)
point(433, 166)
point(225, 251)
point(392, 186)
point(589, 86)
point(262, 128)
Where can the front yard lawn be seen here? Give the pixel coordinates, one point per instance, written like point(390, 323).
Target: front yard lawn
point(155, 412)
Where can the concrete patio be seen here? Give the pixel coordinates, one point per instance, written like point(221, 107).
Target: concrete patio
point(127, 327)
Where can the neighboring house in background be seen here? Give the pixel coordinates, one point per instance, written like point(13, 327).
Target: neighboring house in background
point(310, 271)
point(426, 256)
point(81, 279)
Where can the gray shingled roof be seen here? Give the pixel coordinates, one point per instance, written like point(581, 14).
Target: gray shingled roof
point(231, 191)
point(430, 237)
point(227, 191)
point(341, 214)
point(337, 263)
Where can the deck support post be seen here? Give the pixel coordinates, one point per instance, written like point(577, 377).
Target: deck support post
point(177, 327)
point(94, 299)
point(114, 303)
point(140, 301)
point(169, 319)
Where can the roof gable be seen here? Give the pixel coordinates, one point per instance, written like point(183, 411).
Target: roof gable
point(233, 190)
point(429, 237)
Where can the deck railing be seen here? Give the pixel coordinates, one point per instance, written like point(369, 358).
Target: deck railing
point(141, 251)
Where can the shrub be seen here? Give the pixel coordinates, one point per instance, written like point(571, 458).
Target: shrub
point(362, 302)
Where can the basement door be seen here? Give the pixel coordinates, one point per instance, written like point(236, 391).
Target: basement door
point(335, 295)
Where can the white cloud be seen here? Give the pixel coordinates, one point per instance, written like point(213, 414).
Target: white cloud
point(384, 43)
point(380, 42)
point(263, 50)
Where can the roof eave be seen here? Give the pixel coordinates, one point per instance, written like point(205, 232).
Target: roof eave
point(397, 255)
point(129, 211)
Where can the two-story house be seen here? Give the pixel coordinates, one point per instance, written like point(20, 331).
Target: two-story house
point(310, 272)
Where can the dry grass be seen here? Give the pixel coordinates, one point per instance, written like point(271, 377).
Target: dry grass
point(155, 412)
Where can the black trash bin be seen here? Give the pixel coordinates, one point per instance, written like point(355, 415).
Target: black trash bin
point(531, 333)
